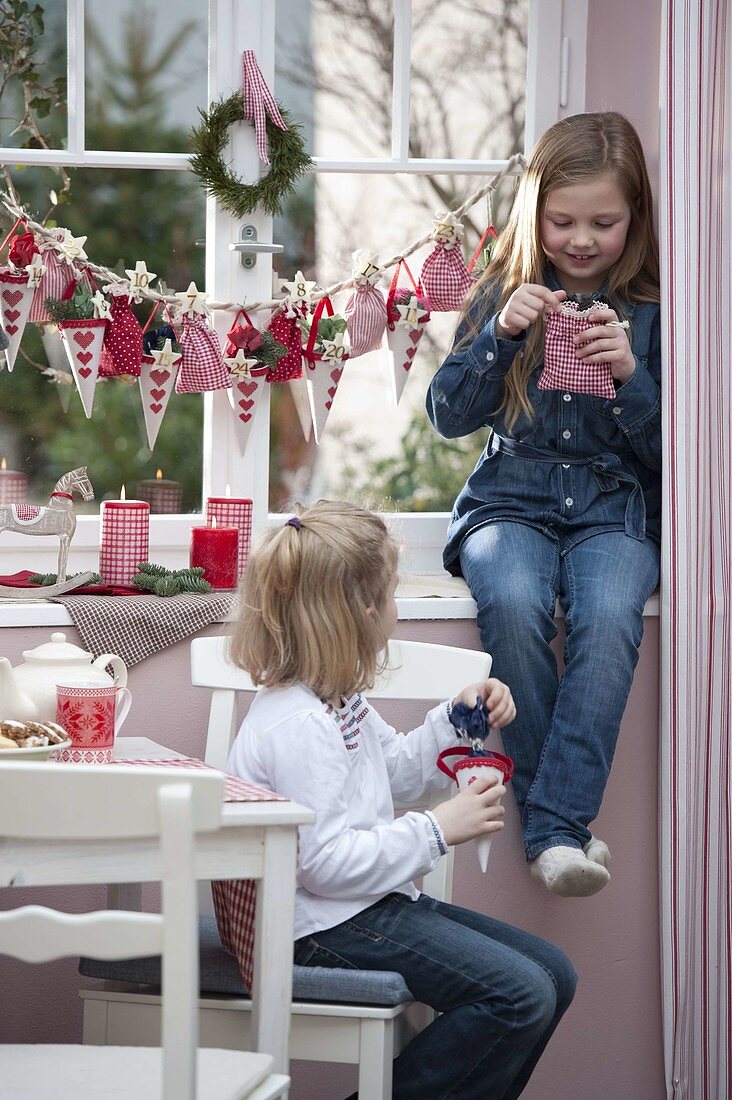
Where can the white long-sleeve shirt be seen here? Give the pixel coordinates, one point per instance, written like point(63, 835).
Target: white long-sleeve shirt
point(347, 765)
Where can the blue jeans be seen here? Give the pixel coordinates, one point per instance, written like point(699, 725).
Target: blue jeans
point(501, 992)
point(564, 735)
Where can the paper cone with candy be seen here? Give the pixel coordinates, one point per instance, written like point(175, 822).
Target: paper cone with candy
point(407, 312)
point(472, 726)
point(324, 356)
point(251, 357)
point(16, 299)
point(158, 370)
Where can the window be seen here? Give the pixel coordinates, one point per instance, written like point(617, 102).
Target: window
point(407, 105)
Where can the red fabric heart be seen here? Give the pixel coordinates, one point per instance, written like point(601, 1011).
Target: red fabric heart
point(328, 404)
point(157, 395)
point(85, 371)
point(159, 377)
point(336, 374)
point(84, 357)
point(411, 352)
point(247, 388)
point(246, 417)
point(246, 405)
point(156, 408)
point(11, 329)
point(12, 297)
point(83, 339)
point(415, 335)
point(12, 314)
point(332, 391)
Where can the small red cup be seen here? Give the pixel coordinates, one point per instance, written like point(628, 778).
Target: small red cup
point(91, 713)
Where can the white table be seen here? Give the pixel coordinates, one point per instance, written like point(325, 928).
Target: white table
point(256, 840)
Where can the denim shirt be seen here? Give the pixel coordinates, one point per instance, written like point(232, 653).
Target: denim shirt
point(580, 466)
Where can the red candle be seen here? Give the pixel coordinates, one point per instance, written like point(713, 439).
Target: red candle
point(233, 512)
point(216, 550)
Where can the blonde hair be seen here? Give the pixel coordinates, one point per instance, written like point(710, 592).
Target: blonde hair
point(312, 598)
point(572, 151)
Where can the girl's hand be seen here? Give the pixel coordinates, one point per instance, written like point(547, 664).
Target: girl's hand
point(526, 305)
point(606, 343)
point(473, 812)
point(497, 697)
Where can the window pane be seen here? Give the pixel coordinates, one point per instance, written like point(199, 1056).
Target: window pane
point(370, 443)
point(334, 73)
point(145, 73)
point(468, 83)
point(33, 77)
point(127, 215)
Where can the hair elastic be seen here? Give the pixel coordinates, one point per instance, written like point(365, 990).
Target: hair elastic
point(294, 522)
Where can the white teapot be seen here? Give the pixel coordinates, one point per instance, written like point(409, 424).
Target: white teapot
point(28, 691)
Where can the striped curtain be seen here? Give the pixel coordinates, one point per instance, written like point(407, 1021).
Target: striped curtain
point(696, 647)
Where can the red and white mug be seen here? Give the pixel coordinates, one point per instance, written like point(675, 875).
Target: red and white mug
point(91, 713)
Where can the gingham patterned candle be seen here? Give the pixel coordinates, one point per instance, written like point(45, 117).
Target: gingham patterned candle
point(13, 485)
point(233, 512)
point(124, 539)
point(162, 494)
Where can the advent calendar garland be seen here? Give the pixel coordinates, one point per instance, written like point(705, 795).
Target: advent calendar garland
point(104, 339)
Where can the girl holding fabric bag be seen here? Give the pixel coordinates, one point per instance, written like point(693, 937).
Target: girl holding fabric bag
point(565, 500)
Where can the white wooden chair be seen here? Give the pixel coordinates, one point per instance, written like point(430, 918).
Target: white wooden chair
point(49, 802)
point(346, 1016)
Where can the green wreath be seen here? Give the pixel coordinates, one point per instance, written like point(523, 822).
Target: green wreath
point(286, 151)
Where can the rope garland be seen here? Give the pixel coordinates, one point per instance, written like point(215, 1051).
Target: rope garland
point(513, 167)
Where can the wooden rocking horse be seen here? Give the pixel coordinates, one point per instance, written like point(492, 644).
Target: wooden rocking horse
point(56, 518)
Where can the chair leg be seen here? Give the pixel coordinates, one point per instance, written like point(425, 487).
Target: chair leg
point(376, 1055)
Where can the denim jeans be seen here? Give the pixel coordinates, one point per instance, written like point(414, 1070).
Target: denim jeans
point(564, 735)
point(501, 992)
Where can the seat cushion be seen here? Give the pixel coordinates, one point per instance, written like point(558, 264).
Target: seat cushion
point(71, 1072)
point(220, 974)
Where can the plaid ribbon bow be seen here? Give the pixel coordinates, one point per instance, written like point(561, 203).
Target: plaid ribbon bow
point(258, 102)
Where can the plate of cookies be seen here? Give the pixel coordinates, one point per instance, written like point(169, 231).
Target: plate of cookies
point(31, 740)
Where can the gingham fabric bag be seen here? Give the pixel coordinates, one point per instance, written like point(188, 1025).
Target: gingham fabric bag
point(445, 277)
point(562, 369)
point(202, 367)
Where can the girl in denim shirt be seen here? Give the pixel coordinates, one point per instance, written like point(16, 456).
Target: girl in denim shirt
point(564, 502)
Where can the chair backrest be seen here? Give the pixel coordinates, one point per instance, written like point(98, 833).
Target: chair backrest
point(54, 802)
point(416, 670)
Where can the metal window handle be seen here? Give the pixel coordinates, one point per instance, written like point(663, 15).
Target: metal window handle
point(249, 247)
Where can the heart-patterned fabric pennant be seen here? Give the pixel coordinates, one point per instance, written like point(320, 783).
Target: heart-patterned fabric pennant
point(83, 342)
point(403, 340)
point(157, 378)
point(322, 379)
point(16, 299)
point(246, 395)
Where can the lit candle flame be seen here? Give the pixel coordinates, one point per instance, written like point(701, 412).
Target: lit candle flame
point(122, 493)
point(159, 475)
point(228, 490)
point(4, 464)
point(213, 521)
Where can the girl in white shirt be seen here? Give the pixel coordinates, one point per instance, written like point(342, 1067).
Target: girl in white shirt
point(317, 611)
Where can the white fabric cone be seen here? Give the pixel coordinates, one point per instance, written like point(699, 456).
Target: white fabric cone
point(322, 380)
point(464, 776)
point(156, 386)
point(83, 343)
point(402, 341)
point(301, 400)
point(246, 393)
point(16, 300)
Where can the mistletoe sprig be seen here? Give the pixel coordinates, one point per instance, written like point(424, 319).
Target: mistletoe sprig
point(170, 582)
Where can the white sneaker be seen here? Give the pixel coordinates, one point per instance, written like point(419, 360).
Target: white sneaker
point(598, 851)
point(568, 872)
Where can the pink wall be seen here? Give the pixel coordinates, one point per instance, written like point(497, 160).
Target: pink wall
point(612, 938)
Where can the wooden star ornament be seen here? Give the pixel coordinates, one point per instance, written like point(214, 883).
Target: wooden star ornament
point(165, 358)
point(139, 276)
point(35, 270)
point(192, 300)
point(300, 288)
point(239, 365)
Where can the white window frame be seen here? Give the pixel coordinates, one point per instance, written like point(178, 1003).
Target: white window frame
point(555, 87)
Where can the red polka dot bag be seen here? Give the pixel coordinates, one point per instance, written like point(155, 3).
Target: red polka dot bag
point(283, 324)
point(122, 348)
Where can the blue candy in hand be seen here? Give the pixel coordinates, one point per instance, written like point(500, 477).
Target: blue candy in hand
point(471, 722)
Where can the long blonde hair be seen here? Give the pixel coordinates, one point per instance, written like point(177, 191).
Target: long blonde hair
point(311, 601)
point(572, 151)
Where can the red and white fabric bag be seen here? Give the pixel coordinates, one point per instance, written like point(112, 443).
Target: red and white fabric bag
point(283, 324)
point(444, 276)
point(58, 276)
point(324, 362)
point(365, 310)
point(407, 312)
point(122, 349)
point(202, 367)
point(562, 369)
